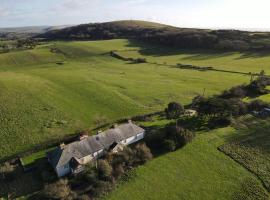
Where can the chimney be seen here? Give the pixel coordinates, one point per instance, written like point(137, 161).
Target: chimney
point(115, 125)
point(130, 121)
point(62, 145)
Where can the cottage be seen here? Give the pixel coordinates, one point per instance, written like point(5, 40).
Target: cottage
point(73, 157)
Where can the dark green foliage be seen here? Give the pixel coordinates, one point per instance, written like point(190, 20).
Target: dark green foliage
point(257, 105)
point(58, 190)
point(174, 110)
point(104, 169)
point(217, 106)
point(142, 153)
point(169, 145)
point(179, 135)
point(235, 92)
point(161, 35)
point(102, 188)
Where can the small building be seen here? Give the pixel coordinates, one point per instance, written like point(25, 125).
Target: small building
point(72, 158)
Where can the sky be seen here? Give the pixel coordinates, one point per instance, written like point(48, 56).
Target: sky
point(241, 14)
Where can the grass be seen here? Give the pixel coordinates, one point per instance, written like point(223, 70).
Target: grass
point(235, 61)
point(251, 148)
point(199, 171)
point(37, 94)
point(31, 159)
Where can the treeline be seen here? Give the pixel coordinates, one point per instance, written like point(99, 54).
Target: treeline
point(164, 35)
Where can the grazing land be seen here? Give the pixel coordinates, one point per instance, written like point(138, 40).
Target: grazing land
point(61, 87)
point(245, 62)
point(199, 168)
point(251, 148)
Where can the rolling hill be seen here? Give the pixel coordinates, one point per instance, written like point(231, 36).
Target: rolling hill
point(163, 35)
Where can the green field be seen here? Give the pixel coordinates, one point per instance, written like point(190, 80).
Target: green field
point(235, 61)
point(199, 171)
point(251, 148)
point(41, 100)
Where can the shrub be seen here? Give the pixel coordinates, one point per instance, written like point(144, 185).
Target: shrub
point(90, 176)
point(102, 188)
point(118, 170)
point(257, 105)
point(235, 92)
point(7, 171)
point(169, 145)
point(84, 197)
point(104, 169)
point(183, 136)
point(174, 110)
point(57, 190)
point(143, 153)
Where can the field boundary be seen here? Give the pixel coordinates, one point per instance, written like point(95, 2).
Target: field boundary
point(245, 167)
point(72, 137)
point(180, 66)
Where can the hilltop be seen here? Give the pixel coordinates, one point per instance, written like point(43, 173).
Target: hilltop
point(162, 34)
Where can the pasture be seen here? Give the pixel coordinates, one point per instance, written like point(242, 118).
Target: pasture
point(59, 88)
point(197, 169)
point(246, 62)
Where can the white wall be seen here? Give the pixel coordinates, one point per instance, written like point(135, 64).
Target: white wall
point(133, 139)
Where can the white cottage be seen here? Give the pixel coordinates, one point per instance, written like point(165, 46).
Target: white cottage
point(73, 157)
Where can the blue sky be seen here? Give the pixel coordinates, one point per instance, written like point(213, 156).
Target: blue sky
point(182, 13)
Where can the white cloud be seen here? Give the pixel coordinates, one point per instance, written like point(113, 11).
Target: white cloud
point(4, 12)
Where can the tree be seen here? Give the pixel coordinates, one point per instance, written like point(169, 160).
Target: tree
point(143, 153)
point(257, 105)
point(104, 169)
point(58, 190)
point(174, 110)
point(118, 170)
point(169, 145)
point(183, 136)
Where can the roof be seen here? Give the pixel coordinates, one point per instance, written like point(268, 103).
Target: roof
point(79, 149)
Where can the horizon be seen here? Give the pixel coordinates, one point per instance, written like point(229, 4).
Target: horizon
point(203, 14)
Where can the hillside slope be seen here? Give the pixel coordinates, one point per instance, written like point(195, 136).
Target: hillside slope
point(163, 35)
point(42, 100)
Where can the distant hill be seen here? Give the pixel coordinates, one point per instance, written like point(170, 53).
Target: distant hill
point(164, 35)
point(28, 31)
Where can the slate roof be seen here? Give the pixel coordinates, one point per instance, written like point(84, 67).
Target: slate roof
point(90, 145)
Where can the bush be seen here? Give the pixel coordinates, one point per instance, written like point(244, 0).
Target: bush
point(235, 92)
point(90, 176)
point(142, 153)
point(118, 170)
point(174, 110)
point(102, 188)
point(104, 169)
point(257, 105)
point(58, 190)
point(183, 136)
point(169, 145)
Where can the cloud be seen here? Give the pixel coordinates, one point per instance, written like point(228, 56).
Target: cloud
point(77, 5)
point(4, 12)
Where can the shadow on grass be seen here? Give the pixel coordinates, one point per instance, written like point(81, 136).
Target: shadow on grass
point(195, 54)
